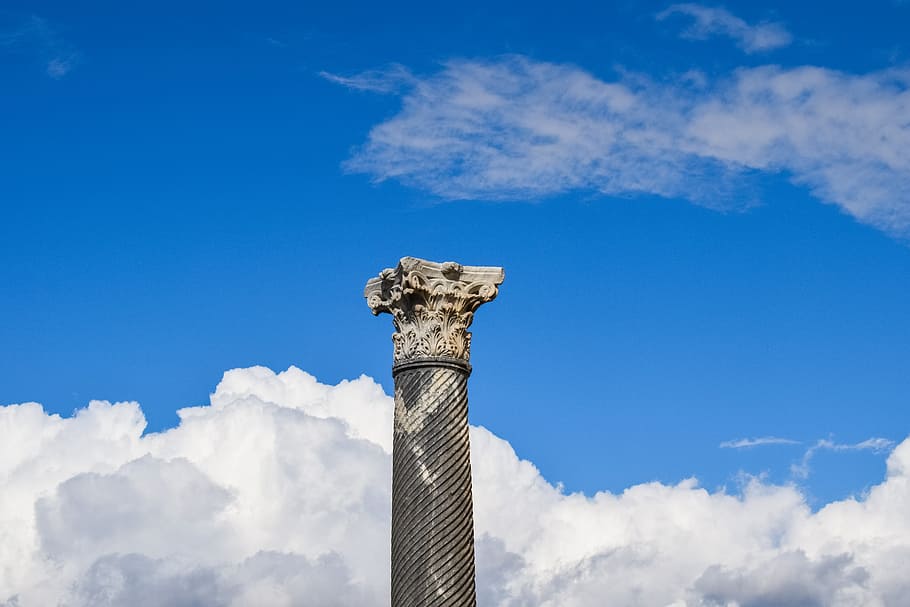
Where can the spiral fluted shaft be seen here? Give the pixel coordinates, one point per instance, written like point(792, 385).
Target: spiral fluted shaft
point(432, 306)
point(432, 510)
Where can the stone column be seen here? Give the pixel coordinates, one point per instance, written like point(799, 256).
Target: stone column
point(432, 306)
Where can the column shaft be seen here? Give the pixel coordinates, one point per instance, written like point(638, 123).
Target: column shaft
point(432, 306)
point(432, 511)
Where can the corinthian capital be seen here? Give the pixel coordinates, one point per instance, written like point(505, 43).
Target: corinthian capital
point(432, 305)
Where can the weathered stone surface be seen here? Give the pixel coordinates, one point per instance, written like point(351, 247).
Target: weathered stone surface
point(432, 306)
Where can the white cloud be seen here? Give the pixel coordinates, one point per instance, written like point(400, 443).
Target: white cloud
point(875, 445)
point(278, 494)
point(389, 80)
point(58, 67)
point(715, 21)
point(745, 443)
point(791, 580)
point(514, 128)
point(34, 36)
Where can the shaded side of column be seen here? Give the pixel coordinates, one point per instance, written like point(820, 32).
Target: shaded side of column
point(432, 511)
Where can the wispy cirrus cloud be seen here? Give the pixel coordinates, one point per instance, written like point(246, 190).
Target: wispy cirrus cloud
point(35, 37)
point(391, 79)
point(745, 443)
point(710, 21)
point(801, 469)
point(512, 128)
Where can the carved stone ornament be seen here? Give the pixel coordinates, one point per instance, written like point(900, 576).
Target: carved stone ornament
point(432, 305)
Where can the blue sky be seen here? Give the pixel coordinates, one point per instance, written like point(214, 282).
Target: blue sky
point(190, 190)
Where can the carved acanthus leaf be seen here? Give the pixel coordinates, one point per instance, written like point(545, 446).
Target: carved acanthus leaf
point(432, 305)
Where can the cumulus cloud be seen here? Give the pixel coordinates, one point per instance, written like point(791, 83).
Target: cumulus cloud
point(278, 493)
point(515, 129)
point(710, 21)
point(791, 580)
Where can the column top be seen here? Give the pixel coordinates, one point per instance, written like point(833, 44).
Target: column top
point(432, 305)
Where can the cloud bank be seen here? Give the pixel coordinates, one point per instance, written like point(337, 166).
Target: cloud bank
point(277, 493)
point(516, 129)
